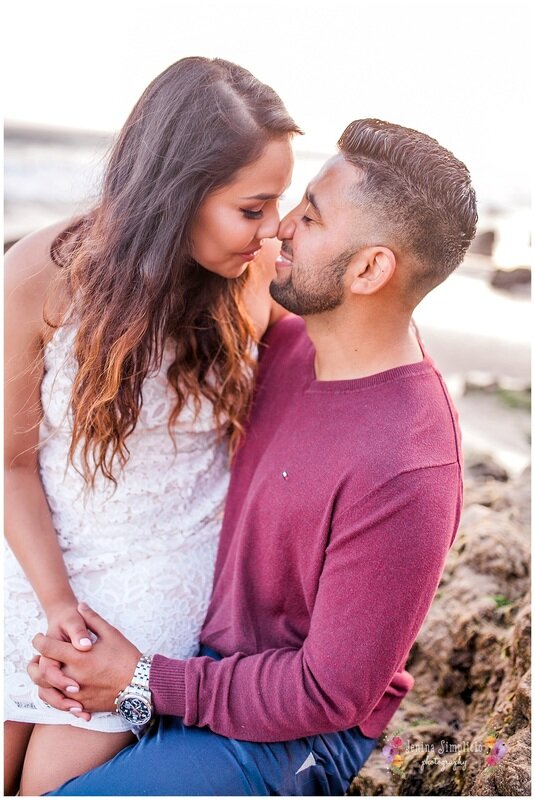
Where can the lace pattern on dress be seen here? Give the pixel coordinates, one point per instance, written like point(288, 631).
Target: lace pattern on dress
point(142, 554)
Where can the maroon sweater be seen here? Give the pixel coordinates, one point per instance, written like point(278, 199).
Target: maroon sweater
point(343, 503)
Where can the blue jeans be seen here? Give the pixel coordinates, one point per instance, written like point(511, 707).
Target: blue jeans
point(177, 760)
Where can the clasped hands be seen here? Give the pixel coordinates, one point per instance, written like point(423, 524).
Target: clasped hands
point(88, 680)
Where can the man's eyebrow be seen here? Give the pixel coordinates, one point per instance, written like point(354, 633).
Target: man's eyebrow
point(312, 200)
point(261, 197)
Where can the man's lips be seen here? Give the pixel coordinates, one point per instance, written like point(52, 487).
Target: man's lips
point(283, 260)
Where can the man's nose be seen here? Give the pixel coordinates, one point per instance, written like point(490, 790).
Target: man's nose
point(287, 226)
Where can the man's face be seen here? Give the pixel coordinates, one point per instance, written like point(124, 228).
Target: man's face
point(318, 242)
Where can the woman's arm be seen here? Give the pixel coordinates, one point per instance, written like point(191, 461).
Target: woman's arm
point(28, 523)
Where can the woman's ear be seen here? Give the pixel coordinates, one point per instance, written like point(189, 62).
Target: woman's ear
point(373, 269)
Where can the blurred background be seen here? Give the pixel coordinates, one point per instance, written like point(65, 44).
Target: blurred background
point(458, 71)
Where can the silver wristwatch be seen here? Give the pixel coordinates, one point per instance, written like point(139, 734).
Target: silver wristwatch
point(134, 704)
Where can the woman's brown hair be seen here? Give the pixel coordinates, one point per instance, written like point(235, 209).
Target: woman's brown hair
point(128, 264)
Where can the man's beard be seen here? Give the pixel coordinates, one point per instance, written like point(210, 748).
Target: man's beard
point(320, 288)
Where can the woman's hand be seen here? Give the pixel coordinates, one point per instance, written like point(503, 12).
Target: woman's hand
point(101, 673)
point(67, 624)
point(56, 689)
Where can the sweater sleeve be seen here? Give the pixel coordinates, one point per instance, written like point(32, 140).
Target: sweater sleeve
point(382, 567)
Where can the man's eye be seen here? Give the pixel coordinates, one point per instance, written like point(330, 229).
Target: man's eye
point(307, 220)
point(251, 214)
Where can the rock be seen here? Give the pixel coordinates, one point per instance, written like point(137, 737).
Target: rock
point(513, 497)
point(511, 278)
point(511, 777)
point(521, 706)
point(480, 381)
point(483, 243)
point(483, 492)
point(471, 662)
point(480, 466)
point(508, 384)
point(515, 398)
point(516, 498)
point(490, 544)
point(512, 392)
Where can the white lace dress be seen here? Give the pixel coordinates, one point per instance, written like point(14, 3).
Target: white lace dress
point(143, 555)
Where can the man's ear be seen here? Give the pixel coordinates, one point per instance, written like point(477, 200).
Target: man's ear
point(372, 269)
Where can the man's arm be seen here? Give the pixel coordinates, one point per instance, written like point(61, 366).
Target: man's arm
point(382, 568)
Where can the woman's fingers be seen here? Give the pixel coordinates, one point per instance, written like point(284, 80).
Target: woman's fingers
point(53, 697)
point(47, 673)
point(78, 633)
point(94, 621)
point(62, 703)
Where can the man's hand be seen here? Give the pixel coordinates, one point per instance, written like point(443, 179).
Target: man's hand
point(100, 673)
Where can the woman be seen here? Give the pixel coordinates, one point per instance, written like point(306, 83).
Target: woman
point(130, 361)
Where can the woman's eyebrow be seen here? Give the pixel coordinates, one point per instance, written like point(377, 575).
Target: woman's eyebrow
point(261, 197)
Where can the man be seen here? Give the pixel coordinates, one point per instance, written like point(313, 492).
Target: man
point(344, 501)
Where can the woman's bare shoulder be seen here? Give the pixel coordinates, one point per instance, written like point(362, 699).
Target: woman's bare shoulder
point(29, 260)
point(30, 271)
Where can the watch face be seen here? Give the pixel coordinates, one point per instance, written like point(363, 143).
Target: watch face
point(135, 710)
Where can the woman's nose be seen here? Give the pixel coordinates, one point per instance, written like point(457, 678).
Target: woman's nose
point(287, 226)
point(269, 226)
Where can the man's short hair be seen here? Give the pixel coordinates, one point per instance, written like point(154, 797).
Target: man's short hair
point(418, 191)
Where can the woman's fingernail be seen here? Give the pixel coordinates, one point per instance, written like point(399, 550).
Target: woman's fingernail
point(85, 642)
point(74, 710)
point(72, 689)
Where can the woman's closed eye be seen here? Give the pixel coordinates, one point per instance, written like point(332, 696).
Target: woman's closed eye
point(251, 214)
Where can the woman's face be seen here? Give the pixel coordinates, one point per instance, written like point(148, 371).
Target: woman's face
point(232, 221)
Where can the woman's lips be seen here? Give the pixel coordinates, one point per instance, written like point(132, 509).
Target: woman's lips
point(248, 256)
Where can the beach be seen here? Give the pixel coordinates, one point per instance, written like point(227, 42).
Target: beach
point(477, 335)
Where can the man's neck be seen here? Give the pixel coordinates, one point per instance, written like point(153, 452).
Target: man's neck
point(358, 343)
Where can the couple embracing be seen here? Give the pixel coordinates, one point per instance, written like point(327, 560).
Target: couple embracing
point(233, 474)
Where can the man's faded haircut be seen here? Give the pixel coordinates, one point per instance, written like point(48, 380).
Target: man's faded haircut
point(420, 194)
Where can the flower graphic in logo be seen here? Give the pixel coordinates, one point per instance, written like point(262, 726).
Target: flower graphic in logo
point(497, 748)
point(392, 753)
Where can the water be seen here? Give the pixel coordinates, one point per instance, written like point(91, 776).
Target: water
point(467, 325)
point(51, 174)
point(55, 174)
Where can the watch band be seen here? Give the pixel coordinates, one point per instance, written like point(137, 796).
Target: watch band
point(142, 672)
point(127, 702)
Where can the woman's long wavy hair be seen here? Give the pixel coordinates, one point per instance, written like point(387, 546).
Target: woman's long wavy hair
point(128, 267)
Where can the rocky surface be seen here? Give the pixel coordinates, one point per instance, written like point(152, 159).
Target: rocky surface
point(471, 661)
point(511, 279)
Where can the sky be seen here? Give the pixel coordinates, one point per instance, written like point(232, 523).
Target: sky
point(459, 71)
